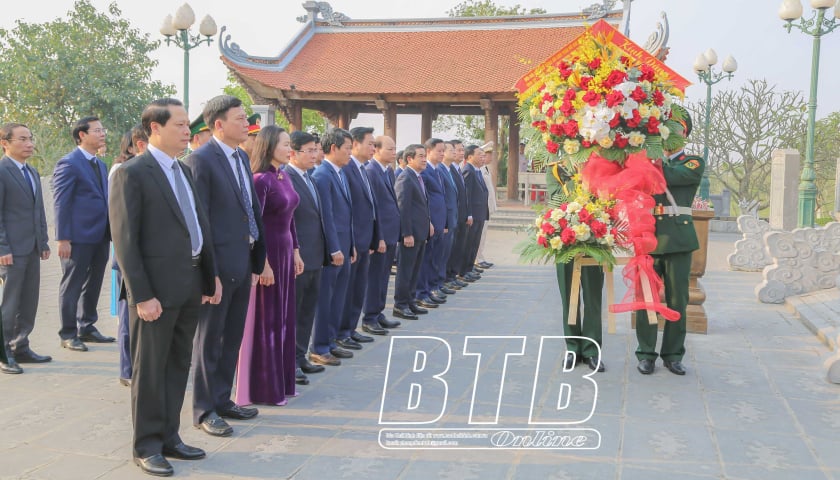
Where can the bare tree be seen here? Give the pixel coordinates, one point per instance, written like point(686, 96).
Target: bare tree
point(747, 124)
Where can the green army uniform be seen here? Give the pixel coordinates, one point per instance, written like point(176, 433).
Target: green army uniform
point(676, 239)
point(591, 284)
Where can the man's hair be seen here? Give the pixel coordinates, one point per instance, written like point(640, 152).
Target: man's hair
point(158, 112)
point(82, 125)
point(432, 143)
point(470, 151)
point(411, 150)
point(359, 133)
point(455, 142)
point(300, 138)
point(450, 143)
point(138, 134)
point(334, 136)
point(6, 131)
point(217, 108)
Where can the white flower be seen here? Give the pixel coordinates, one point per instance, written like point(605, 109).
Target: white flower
point(572, 207)
point(555, 242)
point(636, 139)
point(628, 106)
point(582, 232)
point(664, 131)
point(571, 146)
point(538, 222)
point(655, 112)
point(607, 239)
point(557, 214)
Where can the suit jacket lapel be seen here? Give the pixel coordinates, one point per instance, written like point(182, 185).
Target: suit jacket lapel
point(165, 187)
point(300, 185)
point(18, 175)
point(224, 166)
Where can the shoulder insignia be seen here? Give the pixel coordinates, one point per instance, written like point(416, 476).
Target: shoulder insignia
point(692, 164)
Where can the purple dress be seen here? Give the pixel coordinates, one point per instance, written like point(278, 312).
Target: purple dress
point(267, 356)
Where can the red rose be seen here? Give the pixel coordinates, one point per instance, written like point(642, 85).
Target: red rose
point(584, 216)
point(620, 141)
point(542, 241)
point(624, 60)
point(594, 64)
point(614, 98)
point(550, 112)
point(598, 228)
point(592, 98)
point(541, 125)
point(584, 83)
point(570, 128)
point(563, 223)
point(567, 236)
point(563, 206)
point(647, 73)
point(635, 121)
point(547, 97)
point(614, 78)
point(567, 109)
point(557, 129)
point(552, 147)
point(638, 95)
point(570, 94)
point(615, 120)
point(586, 143)
point(548, 228)
point(547, 215)
point(658, 98)
point(653, 125)
point(565, 70)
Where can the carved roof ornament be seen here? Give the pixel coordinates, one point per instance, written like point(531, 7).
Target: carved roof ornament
point(599, 10)
point(230, 49)
point(324, 10)
point(657, 42)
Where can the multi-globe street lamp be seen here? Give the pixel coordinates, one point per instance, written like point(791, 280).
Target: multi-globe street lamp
point(177, 31)
point(816, 25)
point(703, 67)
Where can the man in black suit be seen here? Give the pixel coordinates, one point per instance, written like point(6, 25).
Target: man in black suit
point(459, 243)
point(415, 229)
point(226, 188)
point(379, 273)
point(450, 191)
point(23, 244)
point(477, 194)
point(309, 225)
point(366, 238)
point(162, 242)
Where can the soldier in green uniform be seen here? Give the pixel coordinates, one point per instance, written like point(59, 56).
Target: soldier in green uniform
point(199, 133)
point(676, 239)
point(591, 286)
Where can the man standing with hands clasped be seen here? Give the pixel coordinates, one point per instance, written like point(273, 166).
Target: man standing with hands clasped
point(162, 241)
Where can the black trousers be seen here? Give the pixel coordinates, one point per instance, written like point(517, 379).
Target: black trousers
point(22, 281)
point(307, 287)
point(379, 274)
point(473, 240)
point(408, 269)
point(455, 265)
point(81, 284)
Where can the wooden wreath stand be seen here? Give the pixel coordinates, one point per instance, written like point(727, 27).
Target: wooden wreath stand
point(579, 262)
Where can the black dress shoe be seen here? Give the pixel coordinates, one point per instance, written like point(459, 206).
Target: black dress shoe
point(74, 344)
point(374, 329)
point(96, 337)
point(438, 293)
point(28, 356)
point(447, 291)
point(347, 343)
point(182, 451)
point(360, 338)
point(125, 382)
point(404, 313)
point(417, 310)
point(238, 412)
point(300, 377)
point(477, 269)
point(342, 353)
point(11, 367)
point(427, 303)
point(155, 465)
point(676, 367)
point(594, 364)
point(472, 277)
point(485, 265)
point(385, 323)
point(451, 286)
point(308, 367)
point(571, 361)
point(459, 283)
point(215, 425)
point(437, 298)
point(645, 366)
point(324, 359)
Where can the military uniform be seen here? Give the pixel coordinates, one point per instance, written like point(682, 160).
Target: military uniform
point(676, 239)
point(591, 280)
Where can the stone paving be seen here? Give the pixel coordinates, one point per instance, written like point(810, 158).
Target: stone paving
point(754, 403)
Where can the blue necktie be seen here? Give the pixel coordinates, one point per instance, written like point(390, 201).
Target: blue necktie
point(186, 208)
point(343, 181)
point(308, 182)
point(252, 222)
point(28, 179)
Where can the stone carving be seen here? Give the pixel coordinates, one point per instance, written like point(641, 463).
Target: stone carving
point(805, 260)
point(657, 42)
point(750, 254)
point(599, 10)
point(832, 366)
point(323, 10)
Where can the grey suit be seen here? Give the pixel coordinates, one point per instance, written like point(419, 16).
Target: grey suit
point(23, 233)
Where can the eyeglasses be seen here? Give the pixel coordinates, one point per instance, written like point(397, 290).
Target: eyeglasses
point(309, 151)
point(103, 131)
point(22, 139)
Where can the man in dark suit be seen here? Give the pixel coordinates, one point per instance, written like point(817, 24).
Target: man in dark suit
point(437, 209)
point(336, 206)
point(459, 243)
point(23, 244)
point(379, 273)
point(80, 190)
point(366, 238)
point(309, 225)
point(226, 188)
point(162, 242)
point(477, 194)
point(415, 228)
point(450, 191)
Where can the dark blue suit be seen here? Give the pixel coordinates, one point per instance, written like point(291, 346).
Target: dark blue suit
point(414, 221)
point(379, 272)
point(456, 257)
point(434, 248)
point(447, 239)
point(80, 192)
point(336, 207)
point(477, 194)
point(220, 327)
point(366, 237)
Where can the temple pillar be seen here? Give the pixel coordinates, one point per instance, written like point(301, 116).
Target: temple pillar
point(513, 158)
point(491, 133)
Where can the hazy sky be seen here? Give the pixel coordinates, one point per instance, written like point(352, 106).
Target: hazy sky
point(750, 30)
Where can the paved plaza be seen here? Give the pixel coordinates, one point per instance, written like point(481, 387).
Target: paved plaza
point(754, 404)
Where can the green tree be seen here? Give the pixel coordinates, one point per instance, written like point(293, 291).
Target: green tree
point(89, 63)
point(313, 122)
point(826, 154)
point(486, 8)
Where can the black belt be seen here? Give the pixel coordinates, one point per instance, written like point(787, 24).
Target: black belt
point(196, 260)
